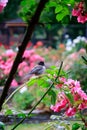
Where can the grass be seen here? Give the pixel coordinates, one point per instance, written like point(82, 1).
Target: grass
point(40, 126)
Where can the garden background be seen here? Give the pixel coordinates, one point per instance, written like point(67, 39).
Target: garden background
point(59, 34)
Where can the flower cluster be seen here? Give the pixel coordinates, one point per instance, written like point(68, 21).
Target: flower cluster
point(80, 12)
point(3, 3)
point(73, 89)
point(6, 62)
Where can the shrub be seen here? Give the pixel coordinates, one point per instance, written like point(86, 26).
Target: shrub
point(23, 100)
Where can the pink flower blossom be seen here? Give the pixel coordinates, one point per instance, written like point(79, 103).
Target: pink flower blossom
point(28, 53)
point(1, 8)
point(70, 111)
point(3, 3)
point(82, 18)
point(39, 43)
point(82, 51)
point(82, 94)
point(14, 83)
point(61, 82)
point(10, 53)
point(82, 106)
point(79, 97)
point(74, 55)
point(21, 73)
point(76, 12)
point(6, 71)
point(36, 57)
point(59, 105)
point(22, 65)
point(62, 79)
point(80, 12)
point(72, 83)
point(59, 85)
point(26, 69)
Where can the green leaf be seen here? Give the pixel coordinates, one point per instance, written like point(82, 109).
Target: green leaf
point(53, 67)
point(66, 19)
point(21, 115)
point(40, 81)
point(77, 0)
point(58, 8)
point(75, 126)
point(63, 13)
point(52, 4)
point(66, 126)
point(53, 99)
point(50, 71)
point(53, 96)
point(44, 83)
point(69, 2)
point(66, 10)
point(2, 126)
point(8, 112)
point(31, 82)
point(60, 16)
point(49, 26)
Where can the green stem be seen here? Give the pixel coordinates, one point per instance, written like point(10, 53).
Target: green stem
point(84, 59)
point(40, 99)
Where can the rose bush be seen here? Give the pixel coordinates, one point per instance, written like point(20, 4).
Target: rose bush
point(80, 12)
point(78, 97)
point(6, 62)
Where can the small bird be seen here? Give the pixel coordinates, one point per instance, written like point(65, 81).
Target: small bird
point(37, 70)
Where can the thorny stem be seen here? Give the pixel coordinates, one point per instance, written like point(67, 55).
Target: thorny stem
point(40, 99)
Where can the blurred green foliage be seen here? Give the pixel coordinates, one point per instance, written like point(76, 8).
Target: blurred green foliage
point(23, 100)
point(79, 72)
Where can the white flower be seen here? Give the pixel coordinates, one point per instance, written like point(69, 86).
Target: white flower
point(22, 90)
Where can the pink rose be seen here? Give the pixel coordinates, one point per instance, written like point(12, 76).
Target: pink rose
point(76, 12)
point(3, 3)
point(14, 83)
point(59, 106)
point(81, 18)
point(70, 111)
point(80, 12)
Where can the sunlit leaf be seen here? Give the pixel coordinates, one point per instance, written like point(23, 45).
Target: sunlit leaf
point(63, 13)
point(21, 115)
point(52, 4)
point(31, 82)
point(75, 126)
point(8, 112)
point(58, 8)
